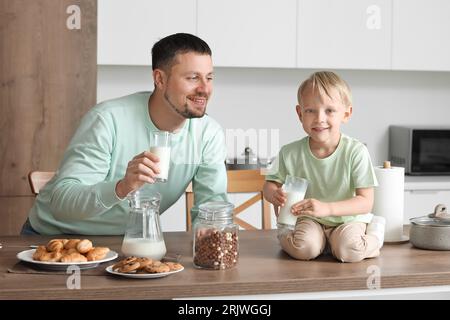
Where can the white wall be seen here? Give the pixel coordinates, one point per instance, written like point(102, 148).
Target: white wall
point(265, 99)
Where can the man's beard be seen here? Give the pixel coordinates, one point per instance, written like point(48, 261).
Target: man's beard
point(185, 113)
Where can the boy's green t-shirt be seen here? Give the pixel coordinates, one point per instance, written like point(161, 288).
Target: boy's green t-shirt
point(331, 179)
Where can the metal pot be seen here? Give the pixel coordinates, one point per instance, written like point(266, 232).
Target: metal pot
point(432, 231)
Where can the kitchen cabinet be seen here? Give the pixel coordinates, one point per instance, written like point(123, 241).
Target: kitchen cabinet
point(128, 30)
point(422, 194)
point(421, 33)
point(350, 34)
point(422, 202)
point(318, 34)
point(252, 33)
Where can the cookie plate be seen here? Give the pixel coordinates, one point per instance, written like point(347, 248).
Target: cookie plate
point(142, 275)
point(27, 256)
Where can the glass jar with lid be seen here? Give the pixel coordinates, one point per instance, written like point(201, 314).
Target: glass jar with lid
point(215, 243)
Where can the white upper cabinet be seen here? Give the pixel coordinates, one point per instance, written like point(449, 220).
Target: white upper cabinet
point(350, 34)
point(128, 29)
point(421, 35)
point(250, 33)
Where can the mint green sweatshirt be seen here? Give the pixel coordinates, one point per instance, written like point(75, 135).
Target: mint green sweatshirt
point(81, 198)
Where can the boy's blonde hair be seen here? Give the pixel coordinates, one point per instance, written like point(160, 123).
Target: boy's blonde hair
point(324, 82)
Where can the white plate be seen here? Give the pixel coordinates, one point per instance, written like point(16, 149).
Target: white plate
point(27, 256)
point(142, 275)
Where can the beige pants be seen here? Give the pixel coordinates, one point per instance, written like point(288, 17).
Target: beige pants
point(348, 242)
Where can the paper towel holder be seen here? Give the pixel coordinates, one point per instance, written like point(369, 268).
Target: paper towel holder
point(403, 238)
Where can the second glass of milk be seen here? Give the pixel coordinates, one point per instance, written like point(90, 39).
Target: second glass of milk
point(295, 188)
point(161, 147)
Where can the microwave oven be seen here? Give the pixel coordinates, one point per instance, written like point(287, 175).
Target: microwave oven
point(420, 150)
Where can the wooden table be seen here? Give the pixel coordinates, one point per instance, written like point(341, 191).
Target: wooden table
point(262, 269)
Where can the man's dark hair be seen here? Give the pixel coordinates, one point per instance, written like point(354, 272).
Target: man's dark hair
point(165, 50)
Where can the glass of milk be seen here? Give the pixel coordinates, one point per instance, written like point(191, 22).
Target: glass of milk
point(161, 147)
point(295, 188)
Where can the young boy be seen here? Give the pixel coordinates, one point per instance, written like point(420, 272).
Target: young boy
point(341, 178)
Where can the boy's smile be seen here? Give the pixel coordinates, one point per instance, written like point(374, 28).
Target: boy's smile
point(321, 117)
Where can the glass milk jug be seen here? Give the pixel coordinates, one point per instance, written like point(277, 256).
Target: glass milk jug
point(215, 236)
point(143, 236)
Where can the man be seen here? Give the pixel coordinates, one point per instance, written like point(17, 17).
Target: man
point(109, 157)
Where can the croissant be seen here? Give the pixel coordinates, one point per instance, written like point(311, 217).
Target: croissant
point(71, 244)
point(40, 251)
point(55, 245)
point(97, 253)
point(84, 246)
point(54, 256)
point(74, 257)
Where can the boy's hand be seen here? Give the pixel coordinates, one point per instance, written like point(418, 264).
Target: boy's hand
point(311, 207)
point(279, 197)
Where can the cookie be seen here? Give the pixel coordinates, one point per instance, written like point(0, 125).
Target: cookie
point(174, 266)
point(157, 267)
point(130, 267)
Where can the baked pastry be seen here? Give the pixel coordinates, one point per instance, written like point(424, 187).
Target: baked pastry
point(84, 246)
point(55, 245)
point(130, 267)
point(69, 250)
point(40, 251)
point(97, 253)
point(74, 257)
point(157, 267)
point(174, 266)
point(71, 244)
point(144, 265)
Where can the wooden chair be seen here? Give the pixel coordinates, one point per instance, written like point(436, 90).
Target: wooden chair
point(38, 179)
point(239, 181)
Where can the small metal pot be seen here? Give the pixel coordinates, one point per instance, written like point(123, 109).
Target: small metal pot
point(247, 161)
point(431, 232)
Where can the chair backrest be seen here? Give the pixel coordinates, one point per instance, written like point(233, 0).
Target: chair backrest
point(239, 181)
point(38, 179)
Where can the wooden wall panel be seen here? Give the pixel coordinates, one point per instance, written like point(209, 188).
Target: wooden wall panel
point(13, 213)
point(48, 81)
point(48, 76)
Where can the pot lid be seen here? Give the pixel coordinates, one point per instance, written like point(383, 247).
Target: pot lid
point(430, 222)
point(439, 218)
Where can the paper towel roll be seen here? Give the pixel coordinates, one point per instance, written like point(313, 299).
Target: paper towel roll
point(388, 202)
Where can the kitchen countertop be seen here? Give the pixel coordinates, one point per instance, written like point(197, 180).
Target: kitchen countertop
point(262, 269)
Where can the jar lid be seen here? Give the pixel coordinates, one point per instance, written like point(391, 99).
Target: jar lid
point(216, 210)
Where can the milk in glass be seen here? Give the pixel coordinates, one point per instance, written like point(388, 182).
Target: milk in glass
point(161, 147)
point(295, 189)
point(164, 162)
point(285, 216)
